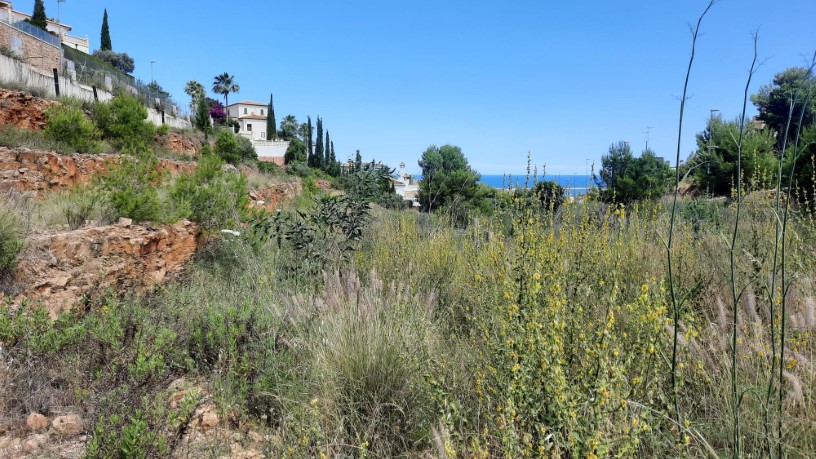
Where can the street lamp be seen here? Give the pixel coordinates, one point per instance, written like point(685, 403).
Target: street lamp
point(59, 21)
point(151, 71)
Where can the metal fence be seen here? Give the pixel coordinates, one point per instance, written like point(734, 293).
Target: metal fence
point(35, 31)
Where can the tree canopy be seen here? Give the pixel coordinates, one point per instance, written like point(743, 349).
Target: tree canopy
point(38, 17)
point(625, 179)
point(450, 183)
point(773, 101)
point(224, 84)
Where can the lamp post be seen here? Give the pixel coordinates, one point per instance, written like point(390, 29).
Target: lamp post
point(151, 71)
point(59, 21)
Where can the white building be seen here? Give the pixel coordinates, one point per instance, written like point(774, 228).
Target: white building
point(407, 186)
point(10, 16)
point(252, 118)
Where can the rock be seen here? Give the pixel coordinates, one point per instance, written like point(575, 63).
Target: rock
point(30, 445)
point(255, 436)
point(126, 222)
point(229, 168)
point(68, 425)
point(36, 421)
point(209, 419)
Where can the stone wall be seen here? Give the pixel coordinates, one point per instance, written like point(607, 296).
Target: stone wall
point(38, 54)
point(60, 270)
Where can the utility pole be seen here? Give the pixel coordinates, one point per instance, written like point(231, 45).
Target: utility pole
point(647, 132)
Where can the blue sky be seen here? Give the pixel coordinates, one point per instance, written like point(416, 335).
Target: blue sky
point(497, 78)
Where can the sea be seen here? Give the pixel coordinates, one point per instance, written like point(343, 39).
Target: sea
point(574, 185)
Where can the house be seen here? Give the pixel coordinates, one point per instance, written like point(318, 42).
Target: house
point(251, 118)
point(407, 186)
point(55, 28)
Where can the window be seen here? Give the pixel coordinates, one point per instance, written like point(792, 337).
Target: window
point(261, 112)
point(249, 128)
point(245, 111)
point(263, 135)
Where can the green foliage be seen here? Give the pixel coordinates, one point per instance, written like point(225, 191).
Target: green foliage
point(316, 158)
point(105, 39)
point(714, 165)
point(289, 128)
point(123, 121)
point(163, 130)
point(802, 163)
point(226, 147)
point(81, 204)
point(66, 123)
point(202, 121)
point(550, 194)
point(131, 186)
point(213, 198)
point(246, 151)
point(295, 152)
point(268, 167)
point(38, 17)
point(773, 101)
point(12, 235)
point(271, 123)
point(120, 61)
point(224, 84)
point(626, 179)
point(450, 184)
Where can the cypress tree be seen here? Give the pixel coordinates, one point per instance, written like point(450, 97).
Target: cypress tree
point(309, 152)
point(105, 40)
point(271, 124)
point(38, 18)
point(317, 161)
point(358, 162)
point(327, 154)
point(334, 169)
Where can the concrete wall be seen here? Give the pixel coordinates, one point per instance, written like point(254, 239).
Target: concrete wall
point(14, 71)
point(34, 52)
point(270, 148)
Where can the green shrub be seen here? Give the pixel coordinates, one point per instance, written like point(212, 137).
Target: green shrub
point(123, 121)
point(66, 123)
point(12, 234)
point(268, 167)
point(245, 149)
point(163, 130)
point(80, 205)
point(210, 196)
point(226, 147)
point(131, 186)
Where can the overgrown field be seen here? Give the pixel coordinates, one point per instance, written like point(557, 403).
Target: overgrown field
point(344, 333)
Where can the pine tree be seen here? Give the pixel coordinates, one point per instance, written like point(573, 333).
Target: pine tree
point(271, 123)
point(38, 18)
point(358, 162)
point(105, 40)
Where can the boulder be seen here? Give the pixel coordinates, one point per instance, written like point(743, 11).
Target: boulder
point(68, 425)
point(36, 421)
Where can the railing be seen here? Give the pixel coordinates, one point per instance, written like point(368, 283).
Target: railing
point(35, 32)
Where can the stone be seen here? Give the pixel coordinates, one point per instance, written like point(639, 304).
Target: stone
point(36, 421)
point(209, 419)
point(126, 222)
point(68, 425)
point(30, 445)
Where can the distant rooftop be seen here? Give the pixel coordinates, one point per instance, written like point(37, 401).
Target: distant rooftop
point(248, 102)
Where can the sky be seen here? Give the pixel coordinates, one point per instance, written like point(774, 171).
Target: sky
point(500, 79)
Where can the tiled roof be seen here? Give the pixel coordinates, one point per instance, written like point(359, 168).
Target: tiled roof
point(248, 102)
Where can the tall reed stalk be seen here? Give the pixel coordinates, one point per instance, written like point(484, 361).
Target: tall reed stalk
point(669, 244)
point(735, 396)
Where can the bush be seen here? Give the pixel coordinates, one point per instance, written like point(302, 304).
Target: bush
point(80, 205)
point(210, 196)
point(268, 167)
point(12, 234)
point(550, 194)
point(131, 186)
point(226, 147)
point(68, 124)
point(123, 121)
point(245, 149)
point(120, 61)
point(163, 130)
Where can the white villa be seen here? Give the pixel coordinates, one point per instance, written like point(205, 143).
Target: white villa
point(10, 16)
point(406, 186)
point(252, 118)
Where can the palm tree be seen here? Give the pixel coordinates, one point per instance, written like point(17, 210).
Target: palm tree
point(196, 91)
point(225, 84)
point(289, 127)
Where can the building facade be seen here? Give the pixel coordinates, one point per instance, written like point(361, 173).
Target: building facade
point(251, 118)
point(59, 30)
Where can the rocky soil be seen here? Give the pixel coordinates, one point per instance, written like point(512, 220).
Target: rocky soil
point(23, 110)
